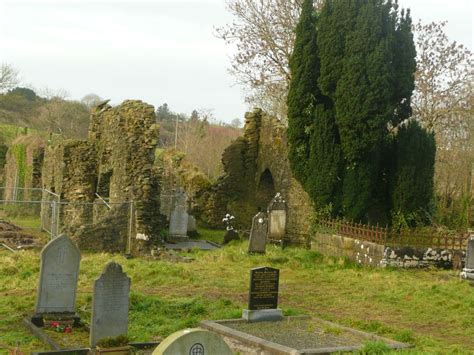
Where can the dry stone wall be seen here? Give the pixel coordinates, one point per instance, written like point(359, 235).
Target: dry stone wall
point(256, 167)
point(372, 254)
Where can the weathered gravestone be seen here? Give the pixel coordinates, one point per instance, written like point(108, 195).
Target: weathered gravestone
point(277, 218)
point(193, 342)
point(166, 204)
point(468, 271)
point(263, 295)
point(59, 270)
point(110, 304)
point(179, 217)
point(258, 233)
point(191, 224)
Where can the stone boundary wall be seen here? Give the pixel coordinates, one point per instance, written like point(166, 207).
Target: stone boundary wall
point(372, 254)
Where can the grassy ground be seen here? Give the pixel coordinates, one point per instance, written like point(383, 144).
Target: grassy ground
point(431, 309)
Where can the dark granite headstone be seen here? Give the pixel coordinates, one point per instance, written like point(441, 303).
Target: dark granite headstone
point(263, 293)
point(258, 233)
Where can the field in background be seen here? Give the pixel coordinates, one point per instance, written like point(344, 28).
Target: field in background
point(429, 308)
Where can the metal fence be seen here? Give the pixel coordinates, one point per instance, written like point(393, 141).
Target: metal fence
point(43, 210)
point(415, 238)
point(30, 208)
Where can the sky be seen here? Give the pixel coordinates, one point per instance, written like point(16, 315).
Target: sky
point(154, 50)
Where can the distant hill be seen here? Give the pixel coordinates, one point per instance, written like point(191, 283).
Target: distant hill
point(22, 107)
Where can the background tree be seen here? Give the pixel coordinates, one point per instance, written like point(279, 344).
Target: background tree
point(263, 32)
point(91, 100)
point(443, 103)
point(69, 118)
point(9, 77)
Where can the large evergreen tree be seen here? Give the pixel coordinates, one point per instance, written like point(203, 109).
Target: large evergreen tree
point(303, 92)
point(352, 79)
point(412, 178)
point(314, 149)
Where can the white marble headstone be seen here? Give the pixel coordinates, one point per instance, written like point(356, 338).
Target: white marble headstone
point(110, 304)
point(59, 270)
point(470, 254)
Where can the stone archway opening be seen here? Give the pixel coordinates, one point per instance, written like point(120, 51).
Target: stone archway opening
point(265, 190)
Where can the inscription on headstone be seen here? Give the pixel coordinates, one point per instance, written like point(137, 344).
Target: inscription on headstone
point(258, 233)
point(277, 218)
point(179, 216)
point(59, 270)
point(263, 293)
point(110, 304)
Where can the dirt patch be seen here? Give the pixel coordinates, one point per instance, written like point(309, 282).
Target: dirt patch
point(15, 238)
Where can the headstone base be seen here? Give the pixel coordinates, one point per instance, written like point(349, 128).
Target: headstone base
point(467, 274)
point(38, 318)
point(262, 315)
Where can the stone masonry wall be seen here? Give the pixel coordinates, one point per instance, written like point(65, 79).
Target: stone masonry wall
point(255, 168)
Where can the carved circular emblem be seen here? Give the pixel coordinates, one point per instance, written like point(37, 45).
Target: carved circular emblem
point(196, 349)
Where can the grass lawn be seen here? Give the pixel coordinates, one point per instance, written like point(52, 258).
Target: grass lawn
point(432, 309)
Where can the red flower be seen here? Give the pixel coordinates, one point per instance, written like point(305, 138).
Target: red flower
point(67, 329)
point(55, 324)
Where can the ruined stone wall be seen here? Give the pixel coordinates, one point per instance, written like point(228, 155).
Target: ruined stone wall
point(116, 163)
point(69, 170)
point(256, 166)
point(176, 171)
point(22, 169)
point(126, 137)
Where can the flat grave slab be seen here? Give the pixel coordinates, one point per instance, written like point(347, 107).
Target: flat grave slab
point(190, 244)
point(294, 335)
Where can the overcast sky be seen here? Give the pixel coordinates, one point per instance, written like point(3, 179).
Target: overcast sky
point(157, 51)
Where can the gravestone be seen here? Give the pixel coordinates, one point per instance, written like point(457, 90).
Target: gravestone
point(263, 295)
point(230, 235)
point(258, 233)
point(179, 217)
point(468, 271)
point(166, 204)
point(193, 342)
point(191, 224)
point(277, 218)
point(59, 270)
point(110, 304)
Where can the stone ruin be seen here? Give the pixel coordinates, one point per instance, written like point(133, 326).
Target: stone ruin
point(113, 167)
point(256, 167)
point(22, 169)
